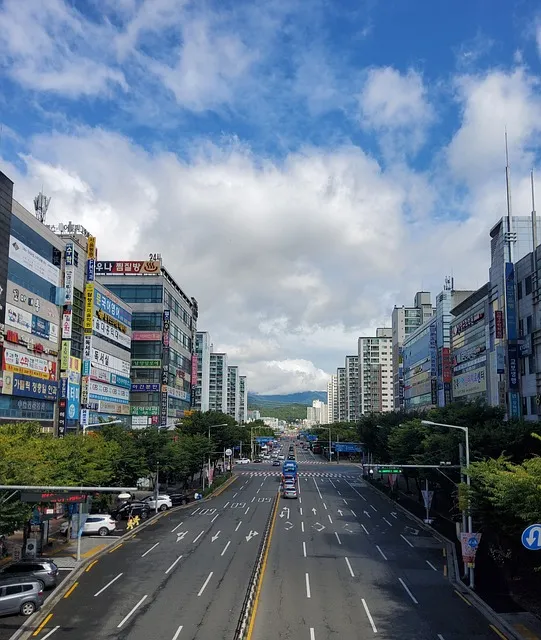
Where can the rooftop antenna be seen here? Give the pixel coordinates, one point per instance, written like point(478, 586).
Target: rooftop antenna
point(41, 206)
point(510, 236)
point(534, 216)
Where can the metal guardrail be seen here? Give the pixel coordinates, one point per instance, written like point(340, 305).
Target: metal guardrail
point(255, 578)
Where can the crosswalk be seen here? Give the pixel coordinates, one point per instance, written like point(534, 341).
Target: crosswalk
point(302, 474)
point(300, 461)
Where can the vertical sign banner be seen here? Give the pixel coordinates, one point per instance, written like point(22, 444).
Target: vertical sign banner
point(90, 270)
point(87, 355)
point(498, 324)
point(61, 418)
point(69, 254)
point(165, 366)
point(65, 355)
point(66, 325)
point(510, 301)
point(194, 370)
point(513, 367)
point(89, 308)
point(446, 365)
point(91, 248)
point(69, 278)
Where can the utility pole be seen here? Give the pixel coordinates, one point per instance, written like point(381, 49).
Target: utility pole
point(156, 487)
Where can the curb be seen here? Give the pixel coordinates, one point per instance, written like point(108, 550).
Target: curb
point(25, 633)
point(478, 603)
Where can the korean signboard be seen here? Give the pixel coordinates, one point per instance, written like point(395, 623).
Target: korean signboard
point(467, 323)
point(498, 324)
point(61, 418)
point(177, 393)
point(146, 335)
point(89, 308)
point(32, 261)
point(513, 365)
point(129, 267)
point(102, 391)
point(471, 382)
point(69, 254)
point(84, 391)
point(114, 408)
point(16, 384)
point(73, 400)
point(65, 355)
point(91, 248)
point(90, 270)
point(146, 364)
point(69, 281)
point(66, 325)
point(194, 370)
point(23, 298)
point(446, 364)
point(26, 321)
point(433, 352)
point(500, 359)
point(109, 362)
point(510, 301)
point(111, 307)
point(163, 408)
point(107, 330)
point(109, 377)
point(144, 411)
point(26, 364)
point(145, 387)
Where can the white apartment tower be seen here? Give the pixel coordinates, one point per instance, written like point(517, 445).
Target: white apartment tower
point(342, 395)
point(376, 372)
point(218, 382)
point(332, 399)
point(202, 390)
point(233, 392)
point(405, 320)
point(352, 388)
point(318, 413)
point(243, 406)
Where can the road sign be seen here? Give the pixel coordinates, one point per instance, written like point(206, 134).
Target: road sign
point(228, 452)
point(470, 544)
point(531, 537)
point(473, 543)
point(389, 470)
point(427, 498)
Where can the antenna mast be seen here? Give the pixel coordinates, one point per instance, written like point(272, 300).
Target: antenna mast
point(41, 206)
point(511, 237)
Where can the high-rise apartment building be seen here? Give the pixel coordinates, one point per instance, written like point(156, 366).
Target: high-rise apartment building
point(352, 388)
point(332, 399)
point(405, 320)
point(376, 372)
point(243, 400)
point(317, 414)
point(233, 392)
point(342, 394)
point(202, 389)
point(218, 382)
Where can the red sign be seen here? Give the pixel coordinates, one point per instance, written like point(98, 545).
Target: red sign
point(446, 365)
point(146, 335)
point(128, 267)
point(194, 370)
point(498, 321)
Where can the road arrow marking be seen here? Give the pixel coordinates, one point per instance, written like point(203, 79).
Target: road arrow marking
point(314, 510)
point(291, 525)
point(181, 535)
point(284, 512)
point(340, 512)
point(318, 526)
point(251, 535)
point(215, 537)
point(366, 513)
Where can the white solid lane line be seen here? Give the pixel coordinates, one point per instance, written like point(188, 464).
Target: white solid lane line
point(51, 633)
point(304, 549)
point(225, 548)
point(373, 507)
point(345, 501)
point(410, 594)
point(317, 488)
point(349, 567)
point(202, 532)
point(308, 594)
point(225, 505)
point(338, 538)
point(430, 565)
point(133, 611)
point(173, 565)
point(383, 555)
point(369, 616)
point(387, 522)
point(205, 584)
point(365, 529)
point(238, 526)
point(312, 634)
point(107, 585)
point(177, 527)
point(149, 550)
point(359, 494)
point(330, 519)
point(406, 540)
point(177, 633)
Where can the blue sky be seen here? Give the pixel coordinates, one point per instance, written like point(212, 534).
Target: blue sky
point(302, 165)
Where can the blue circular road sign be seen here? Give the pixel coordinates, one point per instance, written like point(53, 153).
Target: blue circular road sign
point(473, 543)
point(531, 537)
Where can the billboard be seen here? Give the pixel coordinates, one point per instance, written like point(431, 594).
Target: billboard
point(128, 267)
point(102, 391)
point(112, 308)
point(25, 299)
point(471, 382)
point(91, 248)
point(35, 263)
point(69, 282)
point(510, 301)
point(26, 321)
point(73, 394)
point(27, 364)
point(146, 335)
point(106, 330)
point(89, 308)
point(66, 325)
point(90, 270)
point(16, 384)
point(447, 375)
point(145, 387)
point(109, 377)
point(194, 370)
point(109, 363)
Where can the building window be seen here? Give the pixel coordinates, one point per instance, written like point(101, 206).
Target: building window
point(524, 406)
point(528, 285)
point(25, 278)
point(531, 363)
point(137, 292)
point(519, 290)
point(146, 350)
point(146, 321)
point(529, 325)
point(521, 327)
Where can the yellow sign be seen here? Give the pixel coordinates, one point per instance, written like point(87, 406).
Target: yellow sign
point(74, 364)
point(65, 355)
point(89, 308)
point(91, 248)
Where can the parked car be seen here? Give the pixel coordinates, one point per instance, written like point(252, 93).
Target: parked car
point(243, 461)
point(164, 502)
point(101, 524)
point(42, 570)
point(178, 498)
point(134, 508)
point(20, 595)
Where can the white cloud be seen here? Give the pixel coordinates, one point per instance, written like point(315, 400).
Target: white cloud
point(286, 376)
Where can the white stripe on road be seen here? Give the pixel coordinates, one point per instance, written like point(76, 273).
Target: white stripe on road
point(51, 633)
point(175, 637)
point(302, 526)
point(177, 527)
point(325, 505)
point(312, 634)
point(330, 519)
point(253, 499)
point(431, 565)
point(194, 512)
point(213, 519)
point(235, 494)
point(383, 555)
point(345, 501)
point(107, 585)
point(317, 488)
point(173, 565)
point(349, 567)
point(359, 494)
point(339, 493)
point(338, 538)
point(304, 548)
point(202, 532)
point(369, 616)
point(332, 483)
point(440, 637)
point(394, 515)
point(308, 594)
point(388, 522)
point(300, 499)
point(410, 594)
point(258, 491)
point(353, 512)
point(247, 511)
point(373, 507)
point(225, 548)
point(238, 526)
point(133, 611)
point(205, 584)
point(300, 510)
point(406, 540)
point(225, 505)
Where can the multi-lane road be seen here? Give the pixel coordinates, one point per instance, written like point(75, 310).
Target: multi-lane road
point(341, 565)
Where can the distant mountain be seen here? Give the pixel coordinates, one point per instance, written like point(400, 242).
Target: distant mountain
point(304, 398)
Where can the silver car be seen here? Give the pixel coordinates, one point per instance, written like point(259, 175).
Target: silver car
point(43, 570)
point(20, 595)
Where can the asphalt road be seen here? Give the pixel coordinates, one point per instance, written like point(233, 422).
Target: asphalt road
point(343, 565)
point(184, 577)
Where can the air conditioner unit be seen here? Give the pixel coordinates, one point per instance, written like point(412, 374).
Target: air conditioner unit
point(31, 548)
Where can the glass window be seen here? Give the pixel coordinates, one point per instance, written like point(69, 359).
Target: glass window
point(529, 324)
point(25, 278)
point(528, 285)
point(146, 350)
point(11, 591)
point(137, 292)
point(146, 321)
point(35, 241)
point(519, 290)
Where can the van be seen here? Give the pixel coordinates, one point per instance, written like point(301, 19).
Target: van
point(20, 595)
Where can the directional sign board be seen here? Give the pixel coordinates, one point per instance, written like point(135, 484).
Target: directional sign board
point(531, 537)
point(389, 470)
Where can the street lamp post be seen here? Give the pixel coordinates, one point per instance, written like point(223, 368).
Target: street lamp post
point(468, 478)
point(99, 424)
point(212, 426)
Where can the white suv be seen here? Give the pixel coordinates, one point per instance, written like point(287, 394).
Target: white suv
point(164, 502)
point(96, 523)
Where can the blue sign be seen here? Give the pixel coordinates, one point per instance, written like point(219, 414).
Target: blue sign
point(473, 543)
point(513, 367)
point(514, 404)
point(74, 401)
point(29, 387)
point(90, 270)
point(63, 387)
point(69, 254)
point(145, 387)
point(311, 438)
point(510, 301)
point(347, 447)
point(531, 537)
point(263, 439)
point(112, 308)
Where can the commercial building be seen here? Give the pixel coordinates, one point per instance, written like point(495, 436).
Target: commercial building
point(352, 388)
point(233, 392)
point(30, 314)
point(243, 401)
point(164, 323)
point(202, 350)
point(375, 372)
point(332, 399)
point(405, 320)
point(342, 394)
point(470, 338)
point(218, 380)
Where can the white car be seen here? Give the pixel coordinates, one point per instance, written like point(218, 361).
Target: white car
point(164, 502)
point(243, 461)
point(281, 457)
point(96, 523)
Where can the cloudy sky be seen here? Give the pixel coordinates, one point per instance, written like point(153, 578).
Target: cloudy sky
point(301, 165)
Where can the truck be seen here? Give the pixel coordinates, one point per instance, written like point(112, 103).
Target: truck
point(289, 470)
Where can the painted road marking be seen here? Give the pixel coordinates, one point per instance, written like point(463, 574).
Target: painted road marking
point(238, 526)
point(374, 508)
point(173, 565)
point(498, 632)
point(133, 611)
point(330, 519)
point(108, 585)
point(317, 488)
point(410, 594)
point(302, 527)
point(369, 616)
point(153, 547)
point(359, 494)
point(387, 522)
point(307, 578)
point(338, 538)
point(90, 566)
point(71, 590)
point(117, 547)
point(213, 519)
point(248, 509)
point(349, 567)
point(431, 565)
point(300, 500)
point(404, 538)
point(300, 510)
point(177, 633)
point(51, 633)
point(312, 634)
point(440, 637)
point(177, 527)
point(325, 505)
point(304, 548)
point(225, 505)
point(225, 548)
point(463, 598)
point(383, 555)
point(194, 512)
point(202, 532)
point(253, 499)
point(365, 529)
point(205, 584)
point(353, 512)
point(235, 494)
